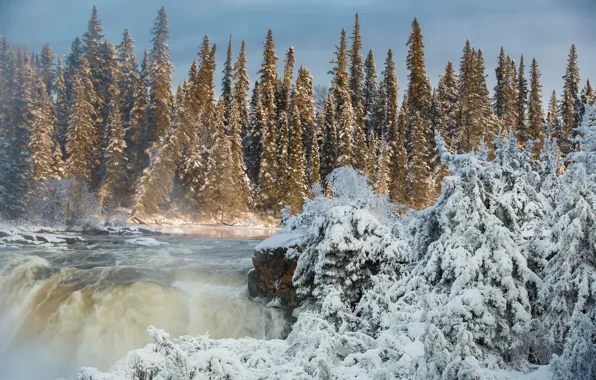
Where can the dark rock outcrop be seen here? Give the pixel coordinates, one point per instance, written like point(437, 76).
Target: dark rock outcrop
point(272, 275)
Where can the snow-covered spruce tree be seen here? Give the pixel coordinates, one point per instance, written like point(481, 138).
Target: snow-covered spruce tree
point(81, 142)
point(227, 83)
point(303, 106)
point(418, 125)
point(399, 158)
point(156, 184)
point(110, 74)
point(252, 141)
point(296, 182)
point(522, 104)
point(241, 187)
point(571, 109)
point(356, 67)
point(268, 181)
point(113, 186)
point(282, 159)
point(314, 174)
point(535, 111)
point(267, 178)
point(92, 48)
point(61, 108)
point(383, 163)
point(519, 203)
point(568, 298)
point(370, 92)
point(240, 91)
point(160, 80)
point(137, 142)
point(15, 156)
point(330, 143)
point(447, 93)
point(473, 271)
point(500, 101)
point(41, 143)
point(344, 112)
point(216, 197)
point(588, 95)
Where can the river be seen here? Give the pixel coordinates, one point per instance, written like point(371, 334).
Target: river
point(62, 308)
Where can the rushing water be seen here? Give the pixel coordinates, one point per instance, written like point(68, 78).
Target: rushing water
point(66, 307)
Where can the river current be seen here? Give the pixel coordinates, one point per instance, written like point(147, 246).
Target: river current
point(64, 307)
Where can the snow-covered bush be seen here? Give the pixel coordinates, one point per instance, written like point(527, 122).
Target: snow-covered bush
point(65, 202)
point(347, 240)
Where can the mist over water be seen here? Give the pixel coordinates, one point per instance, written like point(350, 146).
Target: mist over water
point(63, 308)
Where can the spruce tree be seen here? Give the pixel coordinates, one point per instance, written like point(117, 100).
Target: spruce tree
point(297, 180)
point(360, 149)
point(398, 176)
point(501, 75)
point(73, 63)
point(356, 69)
point(92, 48)
point(535, 111)
point(61, 108)
point(241, 188)
point(511, 115)
point(314, 174)
point(114, 181)
point(128, 83)
point(522, 104)
point(15, 157)
point(370, 91)
point(227, 84)
point(285, 89)
point(448, 99)
point(217, 194)
point(465, 95)
point(47, 68)
point(571, 110)
point(330, 145)
point(283, 164)
point(136, 134)
point(252, 142)
point(268, 166)
point(304, 110)
point(267, 179)
point(553, 125)
point(241, 89)
point(41, 142)
point(268, 81)
point(588, 95)
point(110, 75)
point(383, 180)
point(81, 143)
point(567, 113)
point(160, 80)
point(344, 113)
point(418, 125)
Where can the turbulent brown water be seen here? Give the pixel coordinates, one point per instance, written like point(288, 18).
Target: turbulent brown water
point(66, 307)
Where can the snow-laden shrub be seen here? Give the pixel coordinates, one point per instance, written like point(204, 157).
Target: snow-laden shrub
point(345, 243)
point(65, 202)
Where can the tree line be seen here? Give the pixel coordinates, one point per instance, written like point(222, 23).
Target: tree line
point(117, 126)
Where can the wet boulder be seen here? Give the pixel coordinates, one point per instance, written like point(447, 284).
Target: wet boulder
point(274, 263)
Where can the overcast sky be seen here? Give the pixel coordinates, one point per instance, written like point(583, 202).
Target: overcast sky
point(544, 29)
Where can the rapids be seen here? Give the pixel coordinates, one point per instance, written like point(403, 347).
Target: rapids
point(62, 308)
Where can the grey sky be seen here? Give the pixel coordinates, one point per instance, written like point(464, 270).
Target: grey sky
point(543, 29)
